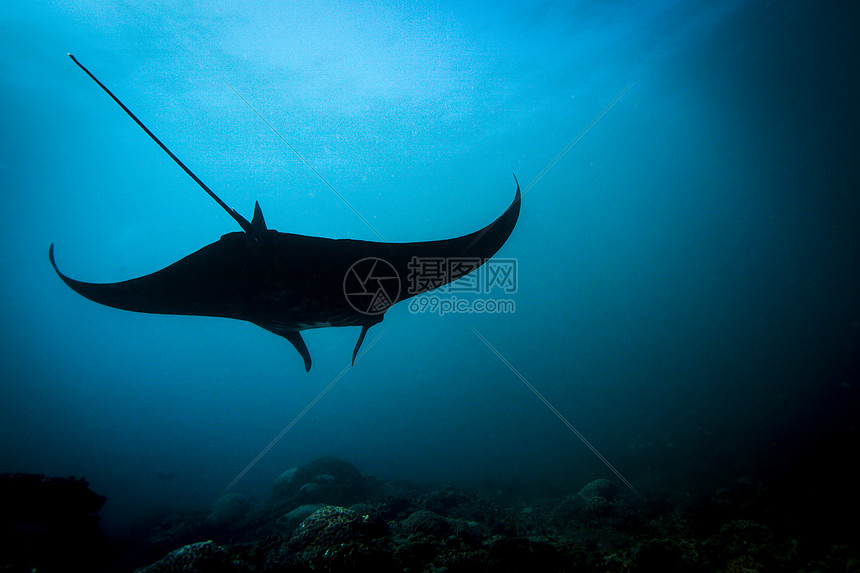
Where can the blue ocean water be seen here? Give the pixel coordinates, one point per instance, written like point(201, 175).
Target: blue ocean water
point(687, 272)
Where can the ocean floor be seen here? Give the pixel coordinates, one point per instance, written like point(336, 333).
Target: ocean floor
point(328, 516)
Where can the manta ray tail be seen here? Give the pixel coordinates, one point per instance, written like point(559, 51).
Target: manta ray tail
point(243, 222)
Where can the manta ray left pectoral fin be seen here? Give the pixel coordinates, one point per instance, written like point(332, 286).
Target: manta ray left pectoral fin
point(295, 338)
point(364, 329)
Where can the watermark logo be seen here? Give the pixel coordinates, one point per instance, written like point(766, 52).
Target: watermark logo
point(371, 286)
point(449, 277)
point(461, 275)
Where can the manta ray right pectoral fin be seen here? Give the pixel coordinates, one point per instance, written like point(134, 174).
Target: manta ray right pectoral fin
point(295, 338)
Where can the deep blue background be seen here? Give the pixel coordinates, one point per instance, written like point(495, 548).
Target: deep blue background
point(688, 271)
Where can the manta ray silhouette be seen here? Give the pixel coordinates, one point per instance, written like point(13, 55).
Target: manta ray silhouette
point(287, 283)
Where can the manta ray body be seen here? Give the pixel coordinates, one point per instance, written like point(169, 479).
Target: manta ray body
point(287, 283)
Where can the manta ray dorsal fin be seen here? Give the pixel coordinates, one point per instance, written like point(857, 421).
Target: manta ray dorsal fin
point(258, 224)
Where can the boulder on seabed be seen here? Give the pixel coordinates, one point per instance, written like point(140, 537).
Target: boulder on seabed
point(334, 539)
point(291, 519)
point(202, 557)
point(49, 523)
point(600, 488)
point(326, 480)
point(229, 509)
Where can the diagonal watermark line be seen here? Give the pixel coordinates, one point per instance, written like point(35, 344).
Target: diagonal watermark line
point(565, 150)
point(299, 416)
point(580, 136)
point(311, 167)
point(552, 409)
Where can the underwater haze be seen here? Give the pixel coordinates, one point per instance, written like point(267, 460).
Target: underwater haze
point(687, 271)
